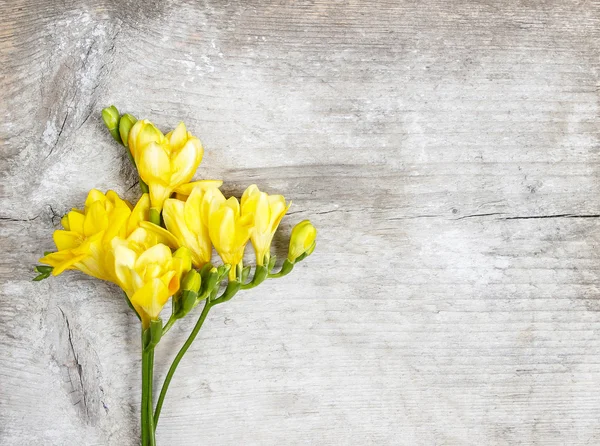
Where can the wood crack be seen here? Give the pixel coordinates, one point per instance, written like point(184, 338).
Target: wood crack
point(78, 365)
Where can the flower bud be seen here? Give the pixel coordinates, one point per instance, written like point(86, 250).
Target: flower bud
point(191, 281)
point(125, 125)
point(185, 257)
point(212, 278)
point(302, 241)
point(111, 118)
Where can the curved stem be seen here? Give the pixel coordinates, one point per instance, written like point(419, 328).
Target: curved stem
point(177, 359)
point(169, 324)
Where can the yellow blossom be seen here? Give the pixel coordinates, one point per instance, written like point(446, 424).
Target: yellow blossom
point(86, 237)
point(229, 231)
point(184, 220)
point(148, 273)
point(164, 162)
point(266, 212)
point(302, 241)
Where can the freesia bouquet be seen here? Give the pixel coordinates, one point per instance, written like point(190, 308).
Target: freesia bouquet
point(161, 247)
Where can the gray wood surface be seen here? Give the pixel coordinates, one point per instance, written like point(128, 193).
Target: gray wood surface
point(448, 153)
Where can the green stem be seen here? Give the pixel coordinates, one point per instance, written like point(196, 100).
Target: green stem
point(144, 411)
point(150, 417)
point(177, 359)
point(154, 216)
point(169, 324)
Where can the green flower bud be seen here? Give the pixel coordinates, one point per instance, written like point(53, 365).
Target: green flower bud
point(111, 118)
point(191, 281)
point(125, 125)
point(302, 241)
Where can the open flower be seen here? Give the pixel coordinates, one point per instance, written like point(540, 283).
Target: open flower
point(148, 273)
point(228, 229)
point(266, 211)
point(85, 240)
point(164, 162)
point(184, 220)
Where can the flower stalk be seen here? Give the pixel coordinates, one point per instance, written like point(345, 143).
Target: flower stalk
point(161, 248)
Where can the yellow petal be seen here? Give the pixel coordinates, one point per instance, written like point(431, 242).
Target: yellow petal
point(153, 164)
point(96, 219)
point(158, 254)
point(186, 161)
point(93, 196)
point(222, 229)
point(250, 190)
point(140, 213)
point(124, 259)
point(66, 239)
point(117, 222)
point(133, 135)
point(76, 220)
point(64, 221)
point(178, 137)
point(67, 264)
point(191, 211)
point(151, 297)
point(56, 259)
point(197, 242)
point(213, 199)
point(262, 213)
point(234, 204)
point(164, 236)
point(187, 188)
point(148, 134)
point(278, 210)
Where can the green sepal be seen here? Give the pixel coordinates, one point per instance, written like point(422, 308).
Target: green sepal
point(131, 306)
point(245, 273)
point(232, 288)
point(260, 274)
point(47, 253)
point(153, 333)
point(188, 302)
point(210, 283)
point(213, 294)
point(306, 253)
point(41, 277)
point(44, 269)
point(205, 270)
point(271, 264)
point(286, 268)
point(223, 270)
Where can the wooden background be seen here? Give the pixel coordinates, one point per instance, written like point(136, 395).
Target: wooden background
point(448, 153)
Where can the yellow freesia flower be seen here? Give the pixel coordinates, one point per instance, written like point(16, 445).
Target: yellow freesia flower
point(85, 240)
point(164, 162)
point(302, 241)
point(148, 273)
point(266, 212)
point(228, 229)
point(184, 220)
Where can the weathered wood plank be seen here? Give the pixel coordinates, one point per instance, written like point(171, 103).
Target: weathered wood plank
point(448, 154)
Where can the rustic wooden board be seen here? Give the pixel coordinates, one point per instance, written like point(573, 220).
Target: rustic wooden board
point(449, 154)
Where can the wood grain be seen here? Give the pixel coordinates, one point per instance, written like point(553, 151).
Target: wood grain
point(449, 154)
